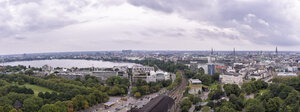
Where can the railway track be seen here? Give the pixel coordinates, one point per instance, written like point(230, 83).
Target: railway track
point(177, 93)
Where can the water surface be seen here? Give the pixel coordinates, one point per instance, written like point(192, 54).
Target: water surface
point(69, 63)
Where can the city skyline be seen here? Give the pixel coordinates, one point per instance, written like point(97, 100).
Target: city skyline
point(102, 25)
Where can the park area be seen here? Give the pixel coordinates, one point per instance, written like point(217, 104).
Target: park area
point(37, 88)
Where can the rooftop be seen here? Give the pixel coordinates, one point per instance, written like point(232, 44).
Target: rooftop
point(160, 103)
point(195, 81)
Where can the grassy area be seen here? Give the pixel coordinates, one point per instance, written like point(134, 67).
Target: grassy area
point(213, 86)
point(263, 91)
point(207, 100)
point(37, 88)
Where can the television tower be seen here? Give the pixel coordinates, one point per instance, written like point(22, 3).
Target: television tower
point(234, 51)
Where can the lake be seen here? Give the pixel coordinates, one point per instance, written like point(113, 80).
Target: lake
point(69, 63)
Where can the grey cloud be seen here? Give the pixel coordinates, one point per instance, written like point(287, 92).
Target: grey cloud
point(19, 16)
point(20, 38)
point(127, 42)
point(170, 32)
point(154, 4)
point(204, 33)
point(18, 2)
point(270, 25)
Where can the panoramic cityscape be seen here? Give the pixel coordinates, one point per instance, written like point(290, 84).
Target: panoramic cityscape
point(149, 56)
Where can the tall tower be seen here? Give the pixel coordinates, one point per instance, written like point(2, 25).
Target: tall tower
point(212, 51)
point(234, 51)
point(276, 50)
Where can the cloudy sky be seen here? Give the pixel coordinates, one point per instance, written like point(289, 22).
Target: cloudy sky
point(30, 26)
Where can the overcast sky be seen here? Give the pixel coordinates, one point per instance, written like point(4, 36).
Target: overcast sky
point(30, 26)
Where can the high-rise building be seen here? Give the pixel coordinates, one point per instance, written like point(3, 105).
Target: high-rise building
point(276, 50)
point(211, 69)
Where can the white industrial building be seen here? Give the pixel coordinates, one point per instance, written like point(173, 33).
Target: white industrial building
point(231, 78)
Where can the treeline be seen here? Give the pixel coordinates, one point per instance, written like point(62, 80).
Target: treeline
point(117, 85)
point(85, 101)
point(274, 97)
point(176, 82)
point(205, 78)
point(216, 94)
point(29, 103)
point(254, 86)
point(168, 66)
point(165, 66)
point(141, 87)
point(67, 91)
point(4, 90)
point(87, 81)
point(3, 82)
point(290, 81)
point(66, 96)
point(187, 102)
point(200, 74)
point(32, 103)
point(9, 68)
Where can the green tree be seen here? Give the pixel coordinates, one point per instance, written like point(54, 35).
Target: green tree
point(253, 105)
point(134, 89)
point(194, 99)
point(144, 89)
point(7, 108)
point(62, 106)
point(32, 104)
point(79, 102)
point(284, 91)
point(189, 73)
point(47, 95)
point(216, 77)
point(137, 95)
point(29, 72)
point(5, 100)
point(205, 109)
point(293, 98)
point(49, 108)
point(238, 102)
point(201, 71)
point(215, 94)
point(20, 81)
point(226, 109)
point(41, 94)
point(115, 91)
point(265, 96)
point(260, 84)
point(232, 89)
point(13, 110)
point(185, 105)
point(198, 108)
point(274, 104)
point(206, 79)
point(248, 88)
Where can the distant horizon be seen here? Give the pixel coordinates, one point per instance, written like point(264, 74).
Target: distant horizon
point(236, 50)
